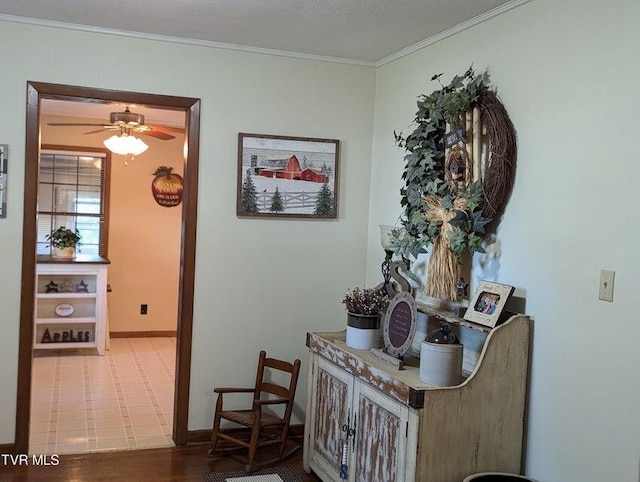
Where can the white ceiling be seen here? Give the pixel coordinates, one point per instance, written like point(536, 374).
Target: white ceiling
point(101, 112)
point(368, 32)
point(360, 31)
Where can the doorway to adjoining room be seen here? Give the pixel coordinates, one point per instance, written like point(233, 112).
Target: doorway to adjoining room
point(139, 387)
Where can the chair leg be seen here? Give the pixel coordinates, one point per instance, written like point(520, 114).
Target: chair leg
point(253, 446)
point(216, 426)
point(214, 436)
point(283, 443)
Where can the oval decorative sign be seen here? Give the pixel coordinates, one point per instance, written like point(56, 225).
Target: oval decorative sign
point(400, 324)
point(64, 309)
point(167, 187)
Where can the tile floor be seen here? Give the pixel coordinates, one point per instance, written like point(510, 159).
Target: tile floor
point(82, 402)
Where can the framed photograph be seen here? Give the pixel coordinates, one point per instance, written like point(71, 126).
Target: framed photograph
point(487, 303)
point(287, 177)
point(4, 154)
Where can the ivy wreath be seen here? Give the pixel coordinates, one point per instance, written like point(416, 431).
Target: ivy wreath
point(439, 210)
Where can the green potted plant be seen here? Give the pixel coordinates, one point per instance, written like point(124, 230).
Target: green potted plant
point(63, 242)
point(364, 309)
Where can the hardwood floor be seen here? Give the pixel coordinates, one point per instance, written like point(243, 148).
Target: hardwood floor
point(158, 465)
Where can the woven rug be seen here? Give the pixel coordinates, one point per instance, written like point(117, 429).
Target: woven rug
point(275, 474)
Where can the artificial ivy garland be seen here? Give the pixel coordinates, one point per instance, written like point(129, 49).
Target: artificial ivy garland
point(439, 212)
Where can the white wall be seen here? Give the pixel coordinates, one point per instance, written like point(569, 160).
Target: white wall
point(567, 73)
point(259, 283)
point(144, 242)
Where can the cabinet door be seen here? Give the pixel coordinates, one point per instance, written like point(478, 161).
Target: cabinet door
point(331, 401)
point(381, 437)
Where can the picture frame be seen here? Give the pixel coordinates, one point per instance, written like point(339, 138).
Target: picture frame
point(4, 159)
point(399, 324)
point(398, 330)
point(487, 303)
point(287, 177)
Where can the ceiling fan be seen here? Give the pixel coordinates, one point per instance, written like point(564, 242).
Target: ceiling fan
point(127, 122)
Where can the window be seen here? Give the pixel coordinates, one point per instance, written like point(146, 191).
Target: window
point(72, 192)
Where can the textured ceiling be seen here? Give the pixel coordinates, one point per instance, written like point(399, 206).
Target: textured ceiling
point(358, 30)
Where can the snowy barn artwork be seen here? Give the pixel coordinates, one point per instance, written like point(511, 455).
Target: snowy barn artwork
point(287, 176)
point(285, 167)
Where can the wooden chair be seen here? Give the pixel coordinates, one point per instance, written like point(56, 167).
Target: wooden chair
point(267, 427)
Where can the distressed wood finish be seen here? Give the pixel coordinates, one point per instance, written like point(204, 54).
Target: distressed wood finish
point(380, 437)
point(330, 415)
point(480, 424)
point(332, 347)
point(377, 445)
point(477, 426)
point(332, 395)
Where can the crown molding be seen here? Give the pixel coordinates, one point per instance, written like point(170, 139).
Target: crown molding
point(452, 31)
point(264, 51)
point(180, 40)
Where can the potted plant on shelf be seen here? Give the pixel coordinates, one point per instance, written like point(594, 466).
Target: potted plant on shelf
point(63, 242)
point(364, 309)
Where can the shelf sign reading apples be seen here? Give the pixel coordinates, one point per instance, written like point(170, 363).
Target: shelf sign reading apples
point(167, 187)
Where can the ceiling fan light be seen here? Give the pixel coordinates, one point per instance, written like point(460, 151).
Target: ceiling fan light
point(137, 146)
point(125, 144)
point(115, 145)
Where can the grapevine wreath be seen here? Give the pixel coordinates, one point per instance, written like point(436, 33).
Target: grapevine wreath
point(458, 175)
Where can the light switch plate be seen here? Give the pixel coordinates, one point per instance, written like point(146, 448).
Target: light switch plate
point(4, 153)
point(607, 277)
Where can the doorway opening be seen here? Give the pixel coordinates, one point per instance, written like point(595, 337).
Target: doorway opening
point(36, 93)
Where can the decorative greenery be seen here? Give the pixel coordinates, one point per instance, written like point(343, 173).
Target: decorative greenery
point(365, 301)
point(64, 237)
point(425, 188)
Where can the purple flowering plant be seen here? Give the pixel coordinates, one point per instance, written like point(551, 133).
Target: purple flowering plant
point(365, 301)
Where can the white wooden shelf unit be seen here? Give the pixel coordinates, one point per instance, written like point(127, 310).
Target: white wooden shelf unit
point(85, 327)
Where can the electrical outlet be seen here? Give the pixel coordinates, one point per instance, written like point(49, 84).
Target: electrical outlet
point(607, 277)
point(143, 309)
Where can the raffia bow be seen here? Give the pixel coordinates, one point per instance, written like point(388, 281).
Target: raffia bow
point(444, 269)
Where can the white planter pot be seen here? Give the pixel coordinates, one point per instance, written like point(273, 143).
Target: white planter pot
point(63, 253)
point(363, 332)
point(362, 339)
point(441, 364)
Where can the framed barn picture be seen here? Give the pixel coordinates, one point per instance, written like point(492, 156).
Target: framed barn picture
point(287, 177)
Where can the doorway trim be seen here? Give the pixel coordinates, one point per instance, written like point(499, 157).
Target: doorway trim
point(191, 106)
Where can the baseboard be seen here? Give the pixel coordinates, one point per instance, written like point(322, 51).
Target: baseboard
point(296, 431)
point(142, 334)
point(201, 436)
point(198, 436)
point(7, 448)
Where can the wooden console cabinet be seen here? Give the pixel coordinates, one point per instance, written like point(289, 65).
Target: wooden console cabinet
point(71, 304)
point(405, 430)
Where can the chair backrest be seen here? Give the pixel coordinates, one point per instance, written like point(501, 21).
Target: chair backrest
point(269, 386)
